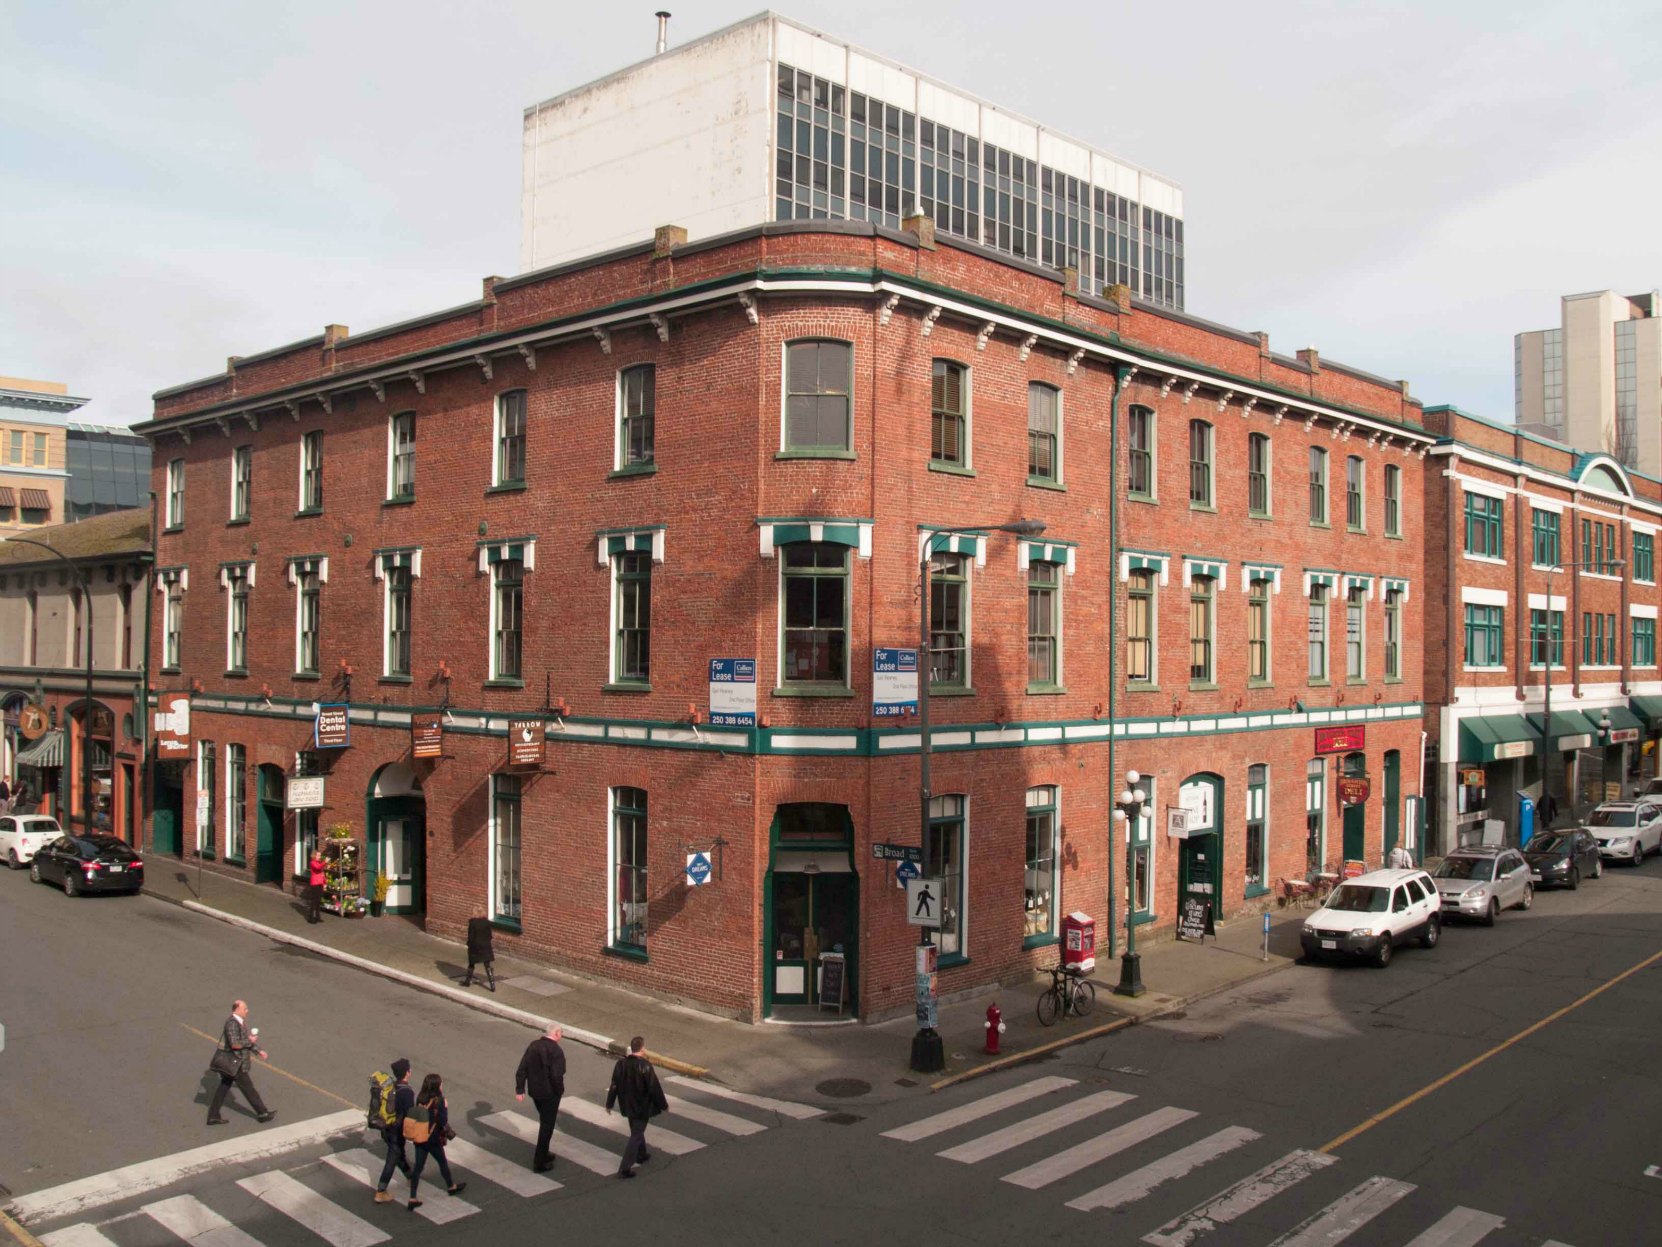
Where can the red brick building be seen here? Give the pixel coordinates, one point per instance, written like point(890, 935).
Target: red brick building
point(480, 515)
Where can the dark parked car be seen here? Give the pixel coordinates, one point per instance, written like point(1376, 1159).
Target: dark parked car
point(1564, 857)
point(80, 864)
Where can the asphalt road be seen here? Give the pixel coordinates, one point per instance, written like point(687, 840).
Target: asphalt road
point(1544, 1139)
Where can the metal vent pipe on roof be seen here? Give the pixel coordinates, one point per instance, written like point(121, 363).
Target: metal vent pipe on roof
point(663, 31)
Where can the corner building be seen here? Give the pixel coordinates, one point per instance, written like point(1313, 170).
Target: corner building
point(558, 504)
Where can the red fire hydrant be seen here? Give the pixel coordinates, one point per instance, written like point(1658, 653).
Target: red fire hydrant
point(995, 1028)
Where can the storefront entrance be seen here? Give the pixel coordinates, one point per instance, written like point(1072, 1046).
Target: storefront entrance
point(268, 827)
point(397, 821)
point(1200, 860)
point(811, 900)
point(1356, 816)
point(167, 811)
point(1393, 801)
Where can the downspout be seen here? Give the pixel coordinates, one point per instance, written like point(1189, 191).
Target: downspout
point(145, 752)
point(1122, 377)
point(1451, 630)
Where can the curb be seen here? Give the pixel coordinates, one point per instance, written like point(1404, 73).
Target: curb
point(1096, 1032)
point(588, 1038)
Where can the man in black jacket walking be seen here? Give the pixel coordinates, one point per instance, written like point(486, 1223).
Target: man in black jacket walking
point(542, 1072)
point(239, 1041)
point(636, 1091)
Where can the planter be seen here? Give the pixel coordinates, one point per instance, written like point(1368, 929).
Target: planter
point(377, 908)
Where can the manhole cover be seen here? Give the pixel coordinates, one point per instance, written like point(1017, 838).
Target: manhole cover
point(906, 1082)
point(842, 1119)
point(1210, 1038)
point(1176, 1015)
point(843, 1088)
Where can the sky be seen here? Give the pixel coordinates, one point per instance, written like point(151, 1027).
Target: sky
point(1403, 186)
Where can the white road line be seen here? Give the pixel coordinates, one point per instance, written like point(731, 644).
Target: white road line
point(197, 1224)
point(150, 1175)
point(498, 1169)
point(1133, 1186)
point(1344, 1216)
point(323, 1217)
point(713, 1117)
point(1044, 1172)
point(564, 1146)
point(1242, 1198)
point(437, 1207)
point(76, 1236)
point(656, 1136)
point(1464, 1227)
point(1042, 1124)
point(986, 1106)
point(785, 1108)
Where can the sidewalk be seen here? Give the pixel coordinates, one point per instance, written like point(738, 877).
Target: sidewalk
point(788, 1061)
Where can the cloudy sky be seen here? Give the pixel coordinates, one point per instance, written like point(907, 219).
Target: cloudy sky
point(1401, 185)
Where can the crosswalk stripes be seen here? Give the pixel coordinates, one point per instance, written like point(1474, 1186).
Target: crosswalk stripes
point(1240, 1199)
point(785, 1108)
point(363, 1166)
point(499, 1170)
point(196, 1223)
point(323, 1217)
point(1342, 1218)
point(76, 1236)
point(727, 1123)
point(986, 1106)
point(1063, 1164)
point(671, 1141)
point(1464, 1227)
point(1035, 1127)
point(565, 1147)
point(1133, 1186)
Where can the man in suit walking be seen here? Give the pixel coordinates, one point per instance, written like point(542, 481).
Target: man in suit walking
point(637, 1092)
point(542, 1072)
point(239, 1042)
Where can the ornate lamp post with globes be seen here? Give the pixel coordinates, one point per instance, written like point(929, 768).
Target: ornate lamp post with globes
point(1128, 808)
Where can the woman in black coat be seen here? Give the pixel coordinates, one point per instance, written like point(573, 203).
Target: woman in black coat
point(479, 950)
point(431, 1098)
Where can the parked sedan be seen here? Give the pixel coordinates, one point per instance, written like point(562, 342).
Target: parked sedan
point(1480, 881)
point(22, 835)
point(80, 864)
point(1626, 830)
point(1563, 858)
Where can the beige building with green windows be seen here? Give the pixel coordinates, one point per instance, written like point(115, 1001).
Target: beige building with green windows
point(33, 460)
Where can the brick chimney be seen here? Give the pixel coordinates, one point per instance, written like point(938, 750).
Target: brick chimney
point(666, 238)
point(923, 227)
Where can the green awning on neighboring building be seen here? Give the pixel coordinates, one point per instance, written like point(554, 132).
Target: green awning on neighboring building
point(1497, 737)
point(1649, 707)
point(45, 752)
point(1624, 724)
point(1571, 730)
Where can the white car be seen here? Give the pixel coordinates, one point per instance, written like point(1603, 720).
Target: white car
point(1627, 830)
point(24, 835)
point(1368, 916)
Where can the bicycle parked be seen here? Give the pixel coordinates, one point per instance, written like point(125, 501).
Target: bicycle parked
point(1069, 992)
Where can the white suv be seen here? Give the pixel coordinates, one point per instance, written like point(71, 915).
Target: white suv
point(1368, 916)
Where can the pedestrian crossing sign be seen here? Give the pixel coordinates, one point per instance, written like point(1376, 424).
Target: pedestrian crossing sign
point(923, 902)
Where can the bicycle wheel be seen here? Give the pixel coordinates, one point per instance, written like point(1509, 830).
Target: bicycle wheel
point(1050, 1005)
point(1084, 997)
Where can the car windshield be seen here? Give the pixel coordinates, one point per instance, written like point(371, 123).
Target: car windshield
point(1613, 818)
point(1358, 898)
point(1549, 844)
point(1466, 868)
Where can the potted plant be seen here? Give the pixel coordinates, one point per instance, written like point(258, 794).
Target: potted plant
point(378, 896)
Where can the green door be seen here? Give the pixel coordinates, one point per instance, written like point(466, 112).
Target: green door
point(166, 819)
point(1356, 816)
point(268, 853)
point(1393, 800)
point(1200, 861)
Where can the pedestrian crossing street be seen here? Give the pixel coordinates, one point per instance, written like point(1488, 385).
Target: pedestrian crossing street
point(1026, 1115)
point(329, 1196)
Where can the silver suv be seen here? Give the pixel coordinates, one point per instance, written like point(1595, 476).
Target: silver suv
point(1480, 881)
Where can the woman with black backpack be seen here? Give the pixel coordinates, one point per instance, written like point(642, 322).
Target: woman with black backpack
point(428, 1127)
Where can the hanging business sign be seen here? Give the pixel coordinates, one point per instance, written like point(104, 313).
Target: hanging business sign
point(31, 722)
point(332, 728)
point(527, 740)
point(1352, 789)
point(698, 869)
point(426, 735)
point(732, 692)
point(1177, 823)
point(1623, 735)
point(1197, 800)
point(1341, 739)
point(304, 792)
point(171, 724)
point(894, 683)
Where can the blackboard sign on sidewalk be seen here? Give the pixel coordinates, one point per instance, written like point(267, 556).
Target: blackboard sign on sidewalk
point(1194, 920)
point(833, 982)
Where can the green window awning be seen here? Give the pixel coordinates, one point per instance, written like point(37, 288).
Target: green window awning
point(1571, 730)
point(1049, 551)
point(1136, 562)
point(951, 543)
point(638, 540)
point(1624, 724)
point(1497, 737)
point(1325, 580)
point(45, 752)
point(1393, 585)
point(1649, 707)
point(1212, 568)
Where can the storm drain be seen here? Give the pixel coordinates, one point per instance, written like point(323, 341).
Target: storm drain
point(843, 1088)
point(841, 1119)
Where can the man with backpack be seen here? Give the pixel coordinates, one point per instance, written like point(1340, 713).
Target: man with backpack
point(390, 1102)
point(636, 1090)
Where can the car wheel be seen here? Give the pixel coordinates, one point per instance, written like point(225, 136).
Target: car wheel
point(34, 872)
point(70, 887)
point(1490, 914)
point(1598, 868)
point(1575, 877)
point(12, 859)
point(1382, 954)
point(1638, 854)
point(1528, 896)
point(1433, 931)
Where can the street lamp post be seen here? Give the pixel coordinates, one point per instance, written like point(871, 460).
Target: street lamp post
point(1546, 667)
point(1128, 808)
point(928, 1054)
point(86, 708)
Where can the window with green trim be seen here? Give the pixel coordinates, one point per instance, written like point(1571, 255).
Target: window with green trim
point(1258, 630)
point(1258, 473)
point(1139, 892)
point(1200, 464)
point(943, 859)
point(236, 802)
point(814, 595)
point(397, 648)
point(1139, 627)
point(1041, 879)
point(509, 466)
point(1315, 816)
point(1044, 624)
point(507, 618)
point(1318, 485)
point(1044, 432)
point(173, 625)
point(1393, 634)
point(949, 620)
point(401, 455)
point(1356, 635)
point(1483, 526)
point(1644, 558)
point(1598, 639)
point(311, 471)
point(308, 621)
point(818, 385)
point(949, 413)
point(1139, 440)
point(1393, 500)
point(1598, 547)
point(505, 843)
point(1316, 631)
point(1644, 642)
point(236, 640)
point(632, 647)
point(175, 489)
point(1202, 623)
point(1257, 823)
point(207, 785)
point(637, 415)
point(1485, 632)
point(1356, 516)
point(242, 481)
point(1546, 633)
point(1544, 528)
point(629, 896)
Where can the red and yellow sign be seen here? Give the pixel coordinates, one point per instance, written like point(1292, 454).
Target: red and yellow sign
point(1352, 790)
point(1348, 739)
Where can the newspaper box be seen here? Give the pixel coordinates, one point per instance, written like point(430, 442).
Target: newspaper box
point(1079, 943)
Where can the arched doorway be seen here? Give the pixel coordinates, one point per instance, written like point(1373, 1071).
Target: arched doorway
point(1200, 860)
point(268, 825)
point(11, 707)
point(811, 905)
point(91, 731)
point(1355, 816)
point(396, 822)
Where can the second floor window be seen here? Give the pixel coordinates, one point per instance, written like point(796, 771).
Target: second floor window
point(818, 382)
point(1544, 530)
point(1644, 557)
point(1485, 632)
point(949, 413)
point(507, 618)
point(633, 649)
point(1356, 636)
point(1644, 642)
point(1139, 437)
point(402, 451)
point(814, 593)
point(1318, 485)
point(510, 438)
point(949, 621)
point(176, 493)
point(309, 609)
point(1393, 634)
point(1139, 627)
point(1258, 474)
point(397, 649)
point(1044, 624)
point(1546, 637)
point(173, 626)
point(1200, 463)
point(236, 649)
point(1317, 633)
point(1356, 516)
point(311, 471)
point(242, 481)
point(1393, 500)
point(1483, 526)
point(1258, 632)
point(1044, 436)
point(1200, 630)
point(638, 407)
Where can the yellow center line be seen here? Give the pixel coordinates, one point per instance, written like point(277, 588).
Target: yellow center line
point(1472, 1064)
point(295, 1078)
point(18, 1232)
